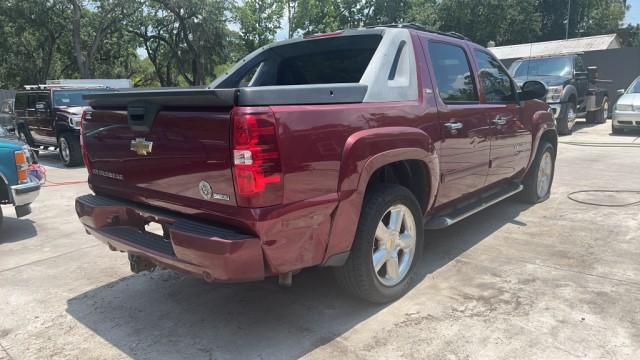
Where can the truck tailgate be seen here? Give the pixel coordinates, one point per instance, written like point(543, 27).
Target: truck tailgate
point(146, 146)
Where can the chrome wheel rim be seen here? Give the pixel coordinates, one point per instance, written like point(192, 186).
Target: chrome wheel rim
point(64, 150)
point(605, 110)
point(394, 245)
point(571, 116)
point(544, 174)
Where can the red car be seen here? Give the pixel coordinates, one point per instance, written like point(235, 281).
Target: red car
point(334, 150)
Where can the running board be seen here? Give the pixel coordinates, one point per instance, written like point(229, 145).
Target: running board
point(452, 217)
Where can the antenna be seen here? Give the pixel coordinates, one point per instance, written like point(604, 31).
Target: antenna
point(529, 60)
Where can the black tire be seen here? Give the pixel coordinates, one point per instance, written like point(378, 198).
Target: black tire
point(599, 116)
point(616, 130)
point(25, 137)
point(530, 192)
point(72, 157)
point(358, 275)
point(1, 217)
point(563, 119)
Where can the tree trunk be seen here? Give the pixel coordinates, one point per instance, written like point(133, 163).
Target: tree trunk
point(81, 60)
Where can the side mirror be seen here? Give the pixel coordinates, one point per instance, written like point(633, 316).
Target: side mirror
point(42, 106)
point(532, 90)
point(620, 92)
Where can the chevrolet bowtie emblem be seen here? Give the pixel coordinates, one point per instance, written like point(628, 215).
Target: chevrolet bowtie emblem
point(141, 146)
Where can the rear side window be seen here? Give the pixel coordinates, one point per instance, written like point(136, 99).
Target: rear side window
point(21, 101)
point(31, 101)
point(494, 80)
point(453, 73)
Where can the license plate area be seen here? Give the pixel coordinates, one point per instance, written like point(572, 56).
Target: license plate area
point(157, 229)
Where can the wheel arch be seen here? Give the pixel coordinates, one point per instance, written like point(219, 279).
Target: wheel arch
point(372, 155)
point(544, 129)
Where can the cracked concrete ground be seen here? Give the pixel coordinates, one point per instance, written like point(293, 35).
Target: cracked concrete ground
point(559, 280)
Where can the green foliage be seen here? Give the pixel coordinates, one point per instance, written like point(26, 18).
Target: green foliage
point(190, 42)
point(502, 21)
point(259, 21)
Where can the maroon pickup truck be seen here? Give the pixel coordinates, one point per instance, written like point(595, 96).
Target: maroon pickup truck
point(335, 150)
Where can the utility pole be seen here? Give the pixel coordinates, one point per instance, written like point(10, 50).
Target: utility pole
point(566, 36)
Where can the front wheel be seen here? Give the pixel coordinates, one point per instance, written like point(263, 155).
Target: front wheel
point(616, 130)
point(70, 151)
point(537, 183)
point(1, 217)
point(387, 246)
point(567, 119)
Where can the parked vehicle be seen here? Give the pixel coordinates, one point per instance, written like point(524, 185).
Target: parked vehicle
point(49, 116)
point(572, 90)
point(626, 113)
point(7, 117)
point(336, 150)
point(16, 187)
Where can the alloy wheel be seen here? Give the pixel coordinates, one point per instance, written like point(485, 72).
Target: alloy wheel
point(544, 174)
point(394, 245)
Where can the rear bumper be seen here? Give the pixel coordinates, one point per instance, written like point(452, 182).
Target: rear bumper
point(25, 194)
point(213, 252)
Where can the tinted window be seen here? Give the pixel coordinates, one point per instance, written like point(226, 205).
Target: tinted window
point(494, 80)
point(21, 101)
point(71, 97)
point(635, 88)
point(342, 66)
point(31, 101)
point(559, 66)
point(453, 74)
point(580, 64)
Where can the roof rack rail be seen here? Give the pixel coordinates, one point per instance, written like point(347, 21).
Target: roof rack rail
point(419, 27)
point(58, 86)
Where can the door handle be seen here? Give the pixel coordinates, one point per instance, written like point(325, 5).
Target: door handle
point(499, 121)
point(454, 125)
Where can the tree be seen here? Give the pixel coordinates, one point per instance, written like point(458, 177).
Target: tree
point(30, 33)
point(505, 22)
point(91, 28)
point(259, 22)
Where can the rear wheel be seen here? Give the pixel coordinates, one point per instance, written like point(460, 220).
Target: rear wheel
point(1, 217)
point(567, 119)
point(599, 116)
point(70, 151)
point(24, 137)
point(387, 246)
point(537, 183)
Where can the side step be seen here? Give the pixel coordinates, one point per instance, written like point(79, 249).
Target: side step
point(451, 217)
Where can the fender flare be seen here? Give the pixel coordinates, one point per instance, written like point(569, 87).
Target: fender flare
point(365, 152)
point(542, 122)
point(567, 92)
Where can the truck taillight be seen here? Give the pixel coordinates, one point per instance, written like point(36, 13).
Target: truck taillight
point(85, 155)
point(21, 166)
point(257, 169)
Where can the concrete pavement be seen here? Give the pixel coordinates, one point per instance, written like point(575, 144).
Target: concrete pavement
point(559, 280)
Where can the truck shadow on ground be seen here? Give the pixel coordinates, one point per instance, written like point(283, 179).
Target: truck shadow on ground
point(50, 158)
point(14, 230)
point(168, 315)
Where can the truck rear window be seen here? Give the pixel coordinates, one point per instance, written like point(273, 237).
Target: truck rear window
point(331, 60)
point(343, 66)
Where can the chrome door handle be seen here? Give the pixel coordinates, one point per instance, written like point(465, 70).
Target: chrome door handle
point(499, 120)
point(453, 125)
